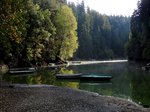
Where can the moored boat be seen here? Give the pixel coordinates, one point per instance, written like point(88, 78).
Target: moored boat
point(90, 77)
point(68, 76)
point(96, 77)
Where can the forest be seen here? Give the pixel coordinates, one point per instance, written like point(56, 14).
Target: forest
point(100, 36)
point(34, 32)
point(138, 47)
point(38, 32)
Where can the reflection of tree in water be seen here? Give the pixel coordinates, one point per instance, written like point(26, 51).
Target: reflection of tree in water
point(127, 82)
point(67, 83)
point(121, 84)
point(141, 93)
point(44, 76)
point(66, 71)
point(40, 77)
point(103, 88)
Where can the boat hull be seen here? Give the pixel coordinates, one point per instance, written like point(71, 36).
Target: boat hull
point(97, 78)
point(84, 77)
point(68, 76)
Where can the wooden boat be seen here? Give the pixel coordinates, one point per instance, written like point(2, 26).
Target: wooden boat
point(22, 70)
point(93, 77)
point(68, 76)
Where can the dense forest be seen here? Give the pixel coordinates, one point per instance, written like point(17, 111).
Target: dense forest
point(100, 36)
point(37, 32)
point(138, 47)
point(33, 32)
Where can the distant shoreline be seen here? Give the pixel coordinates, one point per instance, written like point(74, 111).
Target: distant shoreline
point(5, 68)
point(95, 62)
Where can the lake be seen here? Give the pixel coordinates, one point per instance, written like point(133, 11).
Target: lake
point(129, 80)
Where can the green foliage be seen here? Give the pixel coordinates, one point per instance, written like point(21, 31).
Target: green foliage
point(36, 31)
point(12, 28)
point(66, 37)
point(146, 51)
point(40, 31)
point(138, 46)
point(100, 36)
point(133, 49)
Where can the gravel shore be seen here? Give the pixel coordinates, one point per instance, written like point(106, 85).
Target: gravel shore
point(44, 98)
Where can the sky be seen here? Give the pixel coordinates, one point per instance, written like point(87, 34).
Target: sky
point(111, 7)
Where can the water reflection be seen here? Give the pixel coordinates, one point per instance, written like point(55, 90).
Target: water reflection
point(40, 77)
point(128, 82)
point(140, 87)
point(103, 88)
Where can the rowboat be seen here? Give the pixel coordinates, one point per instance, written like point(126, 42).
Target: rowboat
point(94, 77)
point(68, 76)
point(90, 77)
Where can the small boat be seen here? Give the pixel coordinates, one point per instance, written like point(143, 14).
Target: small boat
point(93, 77)
point(22, 70)
point(68, 76)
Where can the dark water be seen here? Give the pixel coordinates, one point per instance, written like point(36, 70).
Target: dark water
point(129, 80)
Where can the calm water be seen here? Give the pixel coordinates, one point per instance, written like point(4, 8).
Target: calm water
point(129, 81)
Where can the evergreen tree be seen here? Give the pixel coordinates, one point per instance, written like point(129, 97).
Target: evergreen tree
point(100, 36)
point(139, 43)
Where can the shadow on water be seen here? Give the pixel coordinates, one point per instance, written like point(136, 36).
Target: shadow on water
point(128, 82)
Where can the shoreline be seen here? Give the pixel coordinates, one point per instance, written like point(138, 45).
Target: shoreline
point(43, 98)
point(50, 98)
point(95, 62)
point(74, 63)
point(4, 68)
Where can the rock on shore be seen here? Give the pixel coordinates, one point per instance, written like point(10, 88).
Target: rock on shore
point(24, 98)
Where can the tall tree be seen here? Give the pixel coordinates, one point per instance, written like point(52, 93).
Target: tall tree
point(36, 31)
point(100, 36)
point(138, 46)
point(39, 32)
point(66, 37)
point(12, 28)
